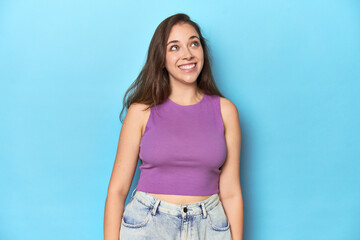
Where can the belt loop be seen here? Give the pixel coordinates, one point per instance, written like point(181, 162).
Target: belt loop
point(155, 207)
point(203, 209)
point(132, 194)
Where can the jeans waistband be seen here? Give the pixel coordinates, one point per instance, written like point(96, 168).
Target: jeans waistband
point(196, 208)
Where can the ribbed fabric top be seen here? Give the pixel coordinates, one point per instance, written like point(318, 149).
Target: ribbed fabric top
point(182, 148)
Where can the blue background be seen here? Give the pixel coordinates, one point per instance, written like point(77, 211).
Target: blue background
point(291, 67)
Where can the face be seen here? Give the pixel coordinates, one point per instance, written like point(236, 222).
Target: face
point(184, 54)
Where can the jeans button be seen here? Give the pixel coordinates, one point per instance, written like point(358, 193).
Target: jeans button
point(185, 209)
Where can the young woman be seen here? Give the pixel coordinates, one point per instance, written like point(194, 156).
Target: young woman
point(187, 136)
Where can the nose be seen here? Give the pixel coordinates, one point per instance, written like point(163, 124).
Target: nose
point(187, 53)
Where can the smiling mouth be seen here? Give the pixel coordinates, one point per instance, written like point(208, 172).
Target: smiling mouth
point(187, 66)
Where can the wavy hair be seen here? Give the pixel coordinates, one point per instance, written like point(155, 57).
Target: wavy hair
point(152, 86)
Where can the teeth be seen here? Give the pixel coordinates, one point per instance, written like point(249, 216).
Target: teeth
point(187, 66)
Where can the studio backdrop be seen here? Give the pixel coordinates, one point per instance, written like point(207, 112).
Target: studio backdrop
point(292, 68)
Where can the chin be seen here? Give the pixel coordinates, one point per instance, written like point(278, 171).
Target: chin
point(190, 82)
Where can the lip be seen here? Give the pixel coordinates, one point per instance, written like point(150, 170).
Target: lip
point(188, 70)
point(187, 64)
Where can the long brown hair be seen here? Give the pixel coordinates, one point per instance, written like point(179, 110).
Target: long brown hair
point(152, 86)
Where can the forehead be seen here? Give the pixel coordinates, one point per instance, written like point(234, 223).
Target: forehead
point(182, 32)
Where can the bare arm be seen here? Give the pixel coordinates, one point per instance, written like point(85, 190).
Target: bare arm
point(123, 170)
point(229, 183)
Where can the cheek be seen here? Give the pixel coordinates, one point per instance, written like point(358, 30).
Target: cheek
point(200, 54)
point(171, 61)
point(202, 59)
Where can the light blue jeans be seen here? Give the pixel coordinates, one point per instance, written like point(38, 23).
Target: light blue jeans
point(147, 217)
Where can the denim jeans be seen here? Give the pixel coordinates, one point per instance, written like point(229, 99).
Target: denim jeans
point(147, 217)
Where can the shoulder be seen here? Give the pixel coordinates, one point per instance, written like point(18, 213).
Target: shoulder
point(139, 113)
point(228, 108)
point(137, 108)
point(229, 112)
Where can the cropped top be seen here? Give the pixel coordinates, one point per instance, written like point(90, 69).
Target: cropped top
point(183, 148)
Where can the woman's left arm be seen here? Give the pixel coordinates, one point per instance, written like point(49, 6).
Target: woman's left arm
point(229, 182)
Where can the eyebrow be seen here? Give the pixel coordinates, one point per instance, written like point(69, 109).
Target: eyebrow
point(174, 41)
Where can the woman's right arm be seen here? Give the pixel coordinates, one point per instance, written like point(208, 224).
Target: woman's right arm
point(123, 170)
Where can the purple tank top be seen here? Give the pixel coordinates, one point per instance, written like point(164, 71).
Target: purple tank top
point(182, 148)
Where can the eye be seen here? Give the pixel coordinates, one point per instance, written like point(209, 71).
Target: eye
point(197, 43)
point(171, 48)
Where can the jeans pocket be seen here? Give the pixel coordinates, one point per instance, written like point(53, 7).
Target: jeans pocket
point(217, 218)
point(135, 215)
